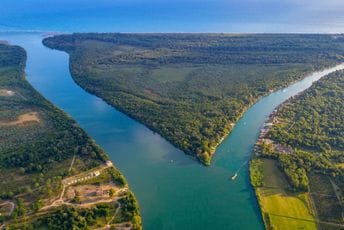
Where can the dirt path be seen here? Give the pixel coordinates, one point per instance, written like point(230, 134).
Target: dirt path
point(336, 190)
point(71, 164)
point(11, 208)
point(79, 178)
point(75, 179)
point(83, 205)
point(338, 194)
point(116, 212)
point(291, 126)
point(86, 175)
point(316, 221)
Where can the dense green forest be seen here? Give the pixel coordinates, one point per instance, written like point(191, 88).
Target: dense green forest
point(307, 141)
point(192, 88)
point(40, 146)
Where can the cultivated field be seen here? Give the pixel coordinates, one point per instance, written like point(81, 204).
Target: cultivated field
point(282, 209)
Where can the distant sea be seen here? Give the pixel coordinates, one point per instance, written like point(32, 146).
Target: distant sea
point(304, 16)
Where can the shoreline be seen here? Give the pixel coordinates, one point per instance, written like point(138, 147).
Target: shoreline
point(204, 157)
point(49, 112)
point(232, 124)
point(255, 156)
point(246, 108)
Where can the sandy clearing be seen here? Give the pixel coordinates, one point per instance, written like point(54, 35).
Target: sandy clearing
point(6, 93)
point(90, 193)
point(24, 118)
point(151, 93)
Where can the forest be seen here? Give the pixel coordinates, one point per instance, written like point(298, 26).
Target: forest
point(41, 146)
point(311, 126)
point(192, 88)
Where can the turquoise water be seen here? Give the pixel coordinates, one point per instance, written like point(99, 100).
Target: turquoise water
point(174, 191)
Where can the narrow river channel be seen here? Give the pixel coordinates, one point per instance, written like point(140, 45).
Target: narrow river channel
point(174, 191)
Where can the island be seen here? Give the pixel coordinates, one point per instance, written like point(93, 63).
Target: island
point(52, 174)
point(192, 88)
point(298, 166)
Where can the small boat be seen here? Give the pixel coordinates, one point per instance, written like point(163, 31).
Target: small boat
point(234, 176)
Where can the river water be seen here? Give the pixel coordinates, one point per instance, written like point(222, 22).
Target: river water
point(174, 191)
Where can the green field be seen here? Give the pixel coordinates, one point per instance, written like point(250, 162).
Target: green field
point(340, 165)
point(311, 127)
point(327, 204)
point(191, 88)
point(280, 208)
point(172, 74)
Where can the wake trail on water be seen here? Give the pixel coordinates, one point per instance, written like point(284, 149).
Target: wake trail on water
point(238, 170)
point(242, 165)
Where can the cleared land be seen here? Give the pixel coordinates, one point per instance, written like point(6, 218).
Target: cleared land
point(191, 88)
point(340, 165)
point(41, 149)
point(6, 92)
point(24, 118)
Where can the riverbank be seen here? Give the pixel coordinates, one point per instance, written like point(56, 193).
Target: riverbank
point(188, 93)
point(145, 158)
point(275, 189)
point(271, 117)
point(281, 209)
point(40, 147)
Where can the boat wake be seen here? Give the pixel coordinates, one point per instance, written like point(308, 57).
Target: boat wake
point(237, 172)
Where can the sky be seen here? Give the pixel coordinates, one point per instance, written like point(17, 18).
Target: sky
point(276, 16)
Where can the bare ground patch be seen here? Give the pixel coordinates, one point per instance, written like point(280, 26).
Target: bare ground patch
point(91, 193)
point(151, 93)
point(6, 93)
point(24, 118)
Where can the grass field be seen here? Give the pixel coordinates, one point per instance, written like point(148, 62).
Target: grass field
point(282, 209)
point(340, 165)
point(171, 74)
point(311, 126)
point(327, 204)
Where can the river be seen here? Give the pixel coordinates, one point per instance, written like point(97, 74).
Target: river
point(174, 191)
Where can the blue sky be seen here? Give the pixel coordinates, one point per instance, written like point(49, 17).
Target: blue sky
point(174, 15)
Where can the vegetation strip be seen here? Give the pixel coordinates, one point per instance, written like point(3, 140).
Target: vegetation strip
point(192, 88)
point(296, 168)
point(52, 175)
